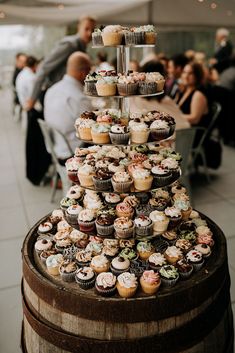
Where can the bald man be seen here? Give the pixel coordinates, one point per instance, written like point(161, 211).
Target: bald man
point(65, 102)
point(53, 66)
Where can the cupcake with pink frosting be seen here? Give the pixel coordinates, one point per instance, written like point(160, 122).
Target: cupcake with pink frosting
point(150, 282)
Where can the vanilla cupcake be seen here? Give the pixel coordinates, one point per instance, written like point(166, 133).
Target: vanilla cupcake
point(142, 179)
point(150, 282)
point(53, 263)
point(105, 284)
point(173, 254)
point(185, 208)
point(100, 263)
point(124, 210)
point(100, 133)
point(112, 35)
point(143, 226)
point(106, 86)
point(150, 34)
point(160, 221)
point(124, 227)
point(139, 132)
point(85, 174)
point(72, 213)
point(121, 182)
point(144, 249)
point(127, 285)
point(84, 129)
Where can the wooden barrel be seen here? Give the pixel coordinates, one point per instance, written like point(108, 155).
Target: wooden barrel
point(193, 317)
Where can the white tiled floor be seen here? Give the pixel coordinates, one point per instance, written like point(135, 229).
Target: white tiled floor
point(23, 204)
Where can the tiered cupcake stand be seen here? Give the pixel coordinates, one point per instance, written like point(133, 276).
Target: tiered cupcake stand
point(194, 316)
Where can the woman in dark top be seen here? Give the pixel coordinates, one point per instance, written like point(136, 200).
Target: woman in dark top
point(192, 100)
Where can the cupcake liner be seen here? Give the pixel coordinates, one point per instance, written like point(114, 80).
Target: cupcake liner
point(127, 89)
point(106, 89)
point(85, 284)
point(84, 133)
point(174, 222)
point(172, 129)
point(73, 176)
point(68, 277)
point(134, 38)
point(122, 187)
point(126, 292)
point(139, 137)
point(143, 184)
point(149, 289)
point(100, 138)
point(159, 134)
point(161, 180)
point(86, 180)
point(54, 271)
point(72, 219)
point(125, 233)
point(86, 227)
point(83, 264)
point(102, 185)
point(160, 85)
point(154, 267)
point(185, 275)
point(105, 292)
point(97, 39)
point(147, 87)
point(90, 88)
point(119, 139)
point(104, 230)
point(112, 38)
point(197, 266)
point(150, 37)
point(169, 282)
point(144, 231)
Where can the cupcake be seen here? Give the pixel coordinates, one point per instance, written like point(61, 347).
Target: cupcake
point(104, 224)
point(139, 132)
point(149, 34)
point(83, 258)
point(183, 244)
point(124, 227)
point(121, 182)
point(97, 37)
point(174, 216)
point(159, 130)
point(173, 166)
point(72, 165)
point(160, 221)
point(127, 285)
point(110, 251)
point(75, 192)
point(67, 270)
point(129, 253)
point(102, 179)
point(63, 244)
point(86, 221)
point(127, 85)
point(126, 243)
point(188, 235)
point(185, 208)
point(105, 284)
point(185, 269)
point(43, 244)
point(64, 226)
point(119, 134)
point(106, 86)
point(132, 201)
point(195, 258)
point(90, 82)
point(205, 239)
point(158, 203)
point(204, 249)
point(95, 247)
point(142, 179)
point(85, 174)
point(53, 263)
point(156, 261)
point(169, 275)
point(100, 133)
point(124, 210)
point(135, 36)
point(170, 236)
point(144, 209)
point(100, 263)
point(112, 199)
point(150, 282)
point(84, 129)
point(147, 87)
point(46, 253)
point(173, 254)
point(112, 35)
point(143, 226)
point(119, 265)
point(85, 278)
point(65, 203)
point(72, 213)
point(161, 176)
point(45, 228)
point(144, 249)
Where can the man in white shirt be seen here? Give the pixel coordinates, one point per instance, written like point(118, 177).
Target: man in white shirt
point(65, 102)
point(26, 79)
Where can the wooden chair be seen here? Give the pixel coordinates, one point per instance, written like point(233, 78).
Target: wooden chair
point(59, 170)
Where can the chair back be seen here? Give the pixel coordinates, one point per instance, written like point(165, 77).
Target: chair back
point(183, 145)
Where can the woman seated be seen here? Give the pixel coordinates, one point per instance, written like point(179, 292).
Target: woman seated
point(192, 100)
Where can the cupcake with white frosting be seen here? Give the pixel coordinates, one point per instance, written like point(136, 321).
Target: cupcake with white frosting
point(142, 179)
point(143, 226)
point(119, 134)
point(127, 284)
point(100, 263)
point(160, 221)
point(119, 265)
point(85, 174)
point(139, 132)
point(174, 216)
point(86, 221)
point(156, 261)
point(105, 284)
point(112, 35)
point(173, 254)
point(85, 277)
point(121, 182)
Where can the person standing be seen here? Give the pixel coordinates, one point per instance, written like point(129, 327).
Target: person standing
point(53, 66)
point(65, 101)
point(223, 50)
point(20, 62)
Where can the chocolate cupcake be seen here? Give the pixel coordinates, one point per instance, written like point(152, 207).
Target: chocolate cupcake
point(124, 227)
point(102, 179)
point(85, 278)
point(185, 269)
point(119, 134)
point(67, 270)
point(104, 224)
point(83, 258)
point(119, 265)
point(105, 284)
point(143, 226)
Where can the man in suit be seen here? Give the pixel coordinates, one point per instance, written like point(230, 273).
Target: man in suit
point(53, 68)
point(223, 50)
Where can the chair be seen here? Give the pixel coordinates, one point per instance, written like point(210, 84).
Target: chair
point(59, 170)
point(183, 145)
point(198, 151)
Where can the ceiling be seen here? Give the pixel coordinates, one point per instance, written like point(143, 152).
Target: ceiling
point(161, 12)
